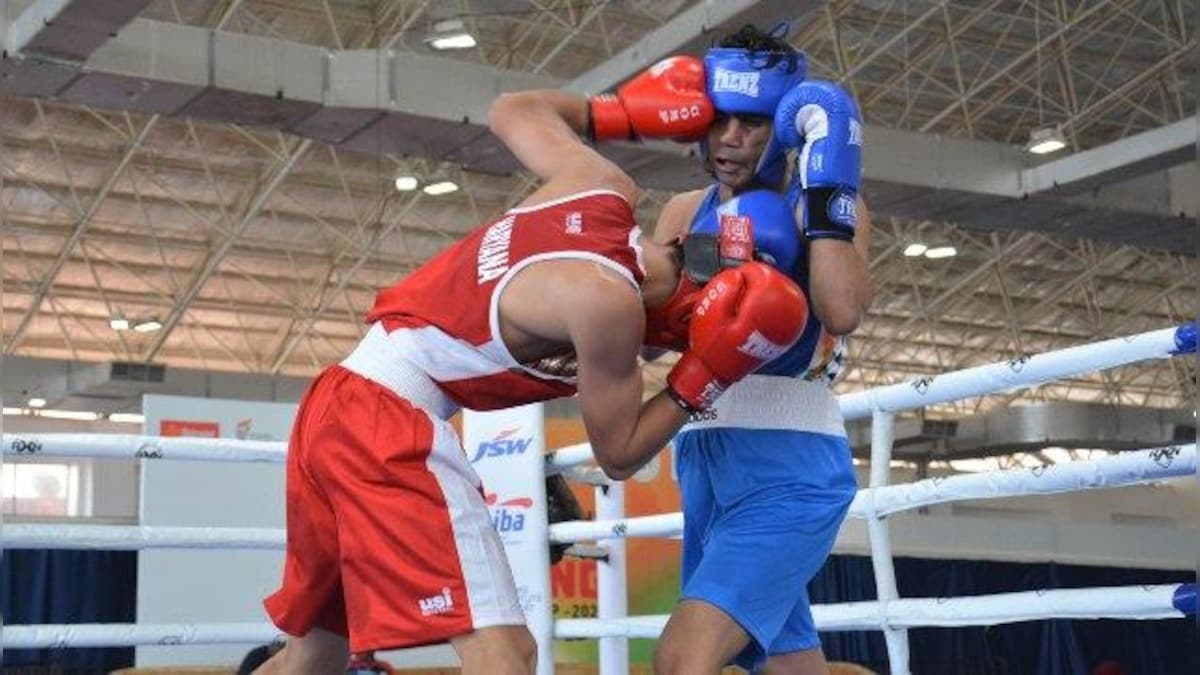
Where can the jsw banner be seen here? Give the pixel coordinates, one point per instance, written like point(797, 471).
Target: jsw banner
point(506, 448)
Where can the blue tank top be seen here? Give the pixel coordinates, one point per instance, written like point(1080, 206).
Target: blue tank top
point(818, 355)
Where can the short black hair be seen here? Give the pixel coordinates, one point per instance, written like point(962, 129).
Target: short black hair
point(773, 48)
point(257, 656)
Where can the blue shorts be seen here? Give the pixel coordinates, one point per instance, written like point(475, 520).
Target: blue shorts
point(761, 511)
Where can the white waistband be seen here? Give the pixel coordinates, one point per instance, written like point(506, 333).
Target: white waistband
point(770, 402)
point(379, 357)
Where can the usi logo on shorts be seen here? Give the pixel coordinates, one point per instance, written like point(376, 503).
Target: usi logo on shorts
point(502, 445)
point(508, 515)
point(437, 604)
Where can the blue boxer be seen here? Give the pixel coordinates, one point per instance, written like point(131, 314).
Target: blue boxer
point(766, 475)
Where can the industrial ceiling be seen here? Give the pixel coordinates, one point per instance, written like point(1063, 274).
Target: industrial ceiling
point(226, 167)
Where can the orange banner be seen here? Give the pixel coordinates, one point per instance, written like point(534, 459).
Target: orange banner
point(652, 565)
point(189, 428)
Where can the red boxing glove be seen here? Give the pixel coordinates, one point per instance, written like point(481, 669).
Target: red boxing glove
point(668, 100)
point(667, 324)
point(748, 315)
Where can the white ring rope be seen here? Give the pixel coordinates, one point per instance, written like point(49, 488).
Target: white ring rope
point(1118, 602)
point(1124, 469)
point(661, 525)
point(1021, 372)
point(55, 636)
point(978, 381)
point(133, 537)
point(131, 446)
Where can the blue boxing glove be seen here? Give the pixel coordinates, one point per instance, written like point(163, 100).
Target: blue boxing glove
point(821, 120)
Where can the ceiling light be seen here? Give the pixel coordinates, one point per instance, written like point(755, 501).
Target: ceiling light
point(914, 250)
point(1046, 140)
point(450, 34)
point(457, 41)
point(148, 326)
point(77, 415)
point(36, 402)
point(127, 418)
point(941, 252)
point(118, 322)
point(443, 187)
point(406, 183)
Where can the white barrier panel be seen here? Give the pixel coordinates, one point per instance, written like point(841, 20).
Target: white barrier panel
point(1021, 372)
point(131, 446)
point(57, 636)
point(131, 538)
point(1119, 602)
point(506, 448)
point(1126, 468)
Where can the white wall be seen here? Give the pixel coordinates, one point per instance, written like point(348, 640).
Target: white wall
point(1033, 540)
point(1145, 526)
point(115, 489)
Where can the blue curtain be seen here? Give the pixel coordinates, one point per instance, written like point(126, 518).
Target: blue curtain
point(58, 586)
point(1059, 647)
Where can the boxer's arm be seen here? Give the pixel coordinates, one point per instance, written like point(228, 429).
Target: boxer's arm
point(542, 128)
point(606, 331)
point(840, 286)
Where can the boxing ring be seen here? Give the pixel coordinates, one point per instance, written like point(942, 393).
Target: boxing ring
point(889, 613)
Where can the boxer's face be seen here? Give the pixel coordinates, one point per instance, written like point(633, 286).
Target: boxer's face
point(735, 142)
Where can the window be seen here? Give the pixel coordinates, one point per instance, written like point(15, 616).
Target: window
point(45, 490)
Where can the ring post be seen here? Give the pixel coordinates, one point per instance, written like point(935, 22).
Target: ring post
point(883, 426)
point(612, 596)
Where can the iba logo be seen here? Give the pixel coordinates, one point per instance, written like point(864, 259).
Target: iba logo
point(509, 515)
point(502, 445)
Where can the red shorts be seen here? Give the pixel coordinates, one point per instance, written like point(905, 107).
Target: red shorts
point(389, 541)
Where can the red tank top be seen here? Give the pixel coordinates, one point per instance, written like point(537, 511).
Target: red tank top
point(449, 307)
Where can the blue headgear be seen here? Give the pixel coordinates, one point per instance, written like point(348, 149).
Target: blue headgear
point(744, 82)
point(740, 81)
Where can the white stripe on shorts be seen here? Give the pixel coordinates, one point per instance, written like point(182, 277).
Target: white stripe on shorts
point(491, 591)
